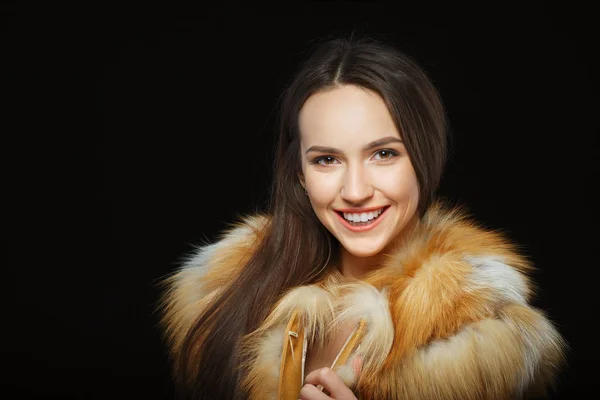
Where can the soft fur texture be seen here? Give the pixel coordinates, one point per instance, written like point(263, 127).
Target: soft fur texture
point(448, 315)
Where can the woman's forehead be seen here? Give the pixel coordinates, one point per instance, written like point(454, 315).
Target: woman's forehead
point(345, 114)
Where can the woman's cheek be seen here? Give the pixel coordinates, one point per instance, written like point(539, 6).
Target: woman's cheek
point(399, 182)
point(322, 187)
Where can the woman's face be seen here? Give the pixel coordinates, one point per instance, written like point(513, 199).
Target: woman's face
point(359, 178)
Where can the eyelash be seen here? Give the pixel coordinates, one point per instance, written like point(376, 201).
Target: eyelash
point(393, 153)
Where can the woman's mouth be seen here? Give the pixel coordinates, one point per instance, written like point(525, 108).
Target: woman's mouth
point(361, 221)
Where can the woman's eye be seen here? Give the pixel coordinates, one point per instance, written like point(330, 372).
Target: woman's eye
point(385, 154)
point(324, 160)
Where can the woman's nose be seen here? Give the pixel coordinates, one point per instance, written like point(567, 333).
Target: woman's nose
point(356, 188)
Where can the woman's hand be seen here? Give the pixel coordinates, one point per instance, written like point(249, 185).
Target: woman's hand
point(325, 378)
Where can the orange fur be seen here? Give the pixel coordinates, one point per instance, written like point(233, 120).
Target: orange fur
point(197, 283)
point(448, 315)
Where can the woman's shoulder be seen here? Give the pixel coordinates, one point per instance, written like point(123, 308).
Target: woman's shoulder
point(452, 232)
point(209, 268)
point(234, 242)
point(209, 264)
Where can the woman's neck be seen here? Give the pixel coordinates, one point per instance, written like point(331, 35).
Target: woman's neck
point(352, 266)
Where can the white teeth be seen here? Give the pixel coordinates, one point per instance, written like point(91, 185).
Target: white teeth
point(363, 217)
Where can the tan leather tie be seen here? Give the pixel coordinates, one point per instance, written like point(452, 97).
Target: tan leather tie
point(290, 372)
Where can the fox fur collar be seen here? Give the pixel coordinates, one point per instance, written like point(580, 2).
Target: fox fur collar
point(447, 315)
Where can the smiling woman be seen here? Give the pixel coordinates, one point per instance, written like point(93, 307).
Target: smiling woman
point(368, 169)
point(357, 282)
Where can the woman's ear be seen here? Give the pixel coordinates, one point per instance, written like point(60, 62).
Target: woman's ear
point(301, 180)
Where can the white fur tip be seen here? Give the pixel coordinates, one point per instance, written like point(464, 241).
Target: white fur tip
point(365, 301)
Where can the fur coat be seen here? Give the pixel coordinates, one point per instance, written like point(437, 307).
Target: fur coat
point(446, 316)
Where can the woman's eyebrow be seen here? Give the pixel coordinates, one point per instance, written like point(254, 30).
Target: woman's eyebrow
point(369, 146)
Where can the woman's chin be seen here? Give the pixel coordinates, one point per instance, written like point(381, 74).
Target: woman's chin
point(363, 251)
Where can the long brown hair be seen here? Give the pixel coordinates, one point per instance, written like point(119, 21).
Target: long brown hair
point(295, 245)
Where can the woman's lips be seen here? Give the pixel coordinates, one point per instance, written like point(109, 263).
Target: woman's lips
point(363, 228)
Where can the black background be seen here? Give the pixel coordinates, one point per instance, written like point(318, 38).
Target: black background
point(133, 133)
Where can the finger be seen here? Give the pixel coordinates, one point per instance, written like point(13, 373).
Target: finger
point(356, 365)
point(310, 392)
point(330, 381)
